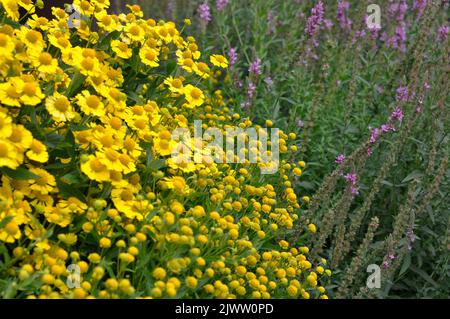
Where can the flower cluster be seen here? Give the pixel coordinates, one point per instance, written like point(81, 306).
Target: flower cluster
point(88, 181)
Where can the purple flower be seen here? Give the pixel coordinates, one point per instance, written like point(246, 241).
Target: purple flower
point(204, 12)
point(352, 181)
point(397, 114)
point(232, 56)
point(391, 257)
point(269, 81)
point(387, 128)
point(221, 4)
point(419, 6)
point(375, 135)
point(255, 67)
point(251, 90)
point(351, 178)
point(344, 21)
point(340, 159)
point(402, 94)
point(369, 151)
point(426, 86)
point(315, 19)
point(443, 33)
point(328, 24)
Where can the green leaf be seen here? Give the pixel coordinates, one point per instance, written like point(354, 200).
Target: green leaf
point(411, 176)
point(18, 173)
point(75, 85)
point(406, 264)
point(5, 221)
point(67, 191)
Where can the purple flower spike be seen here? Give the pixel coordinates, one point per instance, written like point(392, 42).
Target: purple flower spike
point(204, 13)
point(340, 159)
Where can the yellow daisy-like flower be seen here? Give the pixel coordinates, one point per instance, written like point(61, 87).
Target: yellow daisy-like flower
point(21, 137)
point(5, 124)
point(33, 40)
point(12, 9)
point(121, 49)
point(194, 96)
point(124, 199)
point(175, 84)
point(9, 157)
point(134, 32)
point(60, 108)
point(177, 183)
point(149, 56)
point(60, 41)
point(108, 23)
point(10, 232)
point(10, 92)
point(91, 104)
point(46, 182)
point(6, 46)
point(95, 169)
point(38, 152)
point(219, 60)
point(31, 93)
point(45, 63)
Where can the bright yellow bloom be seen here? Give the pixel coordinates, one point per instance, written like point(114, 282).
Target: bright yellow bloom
point(219, 60)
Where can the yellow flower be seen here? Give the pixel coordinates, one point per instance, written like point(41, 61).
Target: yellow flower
point(45, 183)
point(20, 136)
point(90, 104)
point(37, 152)
point(149, 56)
point(95, 169)
point(6, 46)
point(177, 183)
point(134, 32)
point(12, 9)
point(219, 60)
point(9, 156)
point(10, 232)
point(121, 49)
point(175, 84)
point(45, 63)
point(194, 96)
point(60, 108)
point(108, 23)
point(10, 92)
point(5, 124)
point(31, 93)
point(32, 39)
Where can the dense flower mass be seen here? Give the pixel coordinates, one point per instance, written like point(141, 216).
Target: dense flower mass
point(88, 182)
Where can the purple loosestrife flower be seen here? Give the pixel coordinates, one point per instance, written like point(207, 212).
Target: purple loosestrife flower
point(419, 6)
point(251, 90)
point(397, 114)
point(340, 159)
point(269, 81)
point(315, 20)
point(255, 67)
point(204, 12)
point(402, 94)
point(344, 21)
point(232, 56)
point(443, 33)
point(352, 181)
point(375, 135)
point(221, 4)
